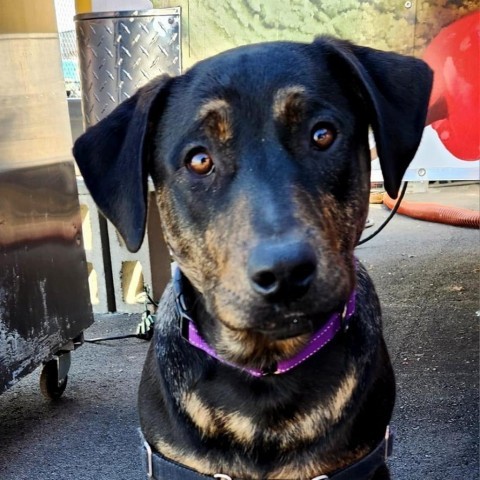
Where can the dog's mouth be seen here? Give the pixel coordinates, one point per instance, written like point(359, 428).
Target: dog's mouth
point(284, 333)
point(292, 325)
point(277, 335)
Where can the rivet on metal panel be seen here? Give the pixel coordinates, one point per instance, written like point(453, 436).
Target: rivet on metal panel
point(126, 52)
point(122, 25)
point(158, 24)
point(154, 39)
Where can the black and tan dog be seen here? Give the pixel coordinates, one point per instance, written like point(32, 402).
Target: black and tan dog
point(260, 161)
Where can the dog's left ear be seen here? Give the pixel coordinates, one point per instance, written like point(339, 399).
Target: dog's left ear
point(113, 158)
point(396, 89)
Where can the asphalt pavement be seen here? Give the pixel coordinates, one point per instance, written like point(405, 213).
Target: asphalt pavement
point(427, 277)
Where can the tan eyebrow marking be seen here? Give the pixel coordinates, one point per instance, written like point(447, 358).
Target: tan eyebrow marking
point(215, 114)
point(289, 104)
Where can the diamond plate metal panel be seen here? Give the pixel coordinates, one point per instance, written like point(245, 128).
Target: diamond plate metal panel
point(121, 51)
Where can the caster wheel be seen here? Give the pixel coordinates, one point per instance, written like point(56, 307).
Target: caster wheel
point(51, 385)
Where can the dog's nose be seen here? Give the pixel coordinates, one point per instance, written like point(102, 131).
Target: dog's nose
point(282, 271)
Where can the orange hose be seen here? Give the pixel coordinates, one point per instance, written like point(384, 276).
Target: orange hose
point(434, 212)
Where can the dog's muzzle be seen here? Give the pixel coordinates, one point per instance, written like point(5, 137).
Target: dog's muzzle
point(338, 321)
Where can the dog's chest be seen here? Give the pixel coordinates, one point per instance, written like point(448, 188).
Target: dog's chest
point(254, 442)
point(280, 425)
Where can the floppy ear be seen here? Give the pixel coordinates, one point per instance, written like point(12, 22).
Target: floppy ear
point(113, 158)
point(396, 89)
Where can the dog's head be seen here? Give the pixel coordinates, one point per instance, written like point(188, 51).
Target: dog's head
point(260, 160)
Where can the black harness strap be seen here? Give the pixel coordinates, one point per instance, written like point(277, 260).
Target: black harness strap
point(161, 468)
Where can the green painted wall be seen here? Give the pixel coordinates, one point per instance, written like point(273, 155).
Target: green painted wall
point(211, 26)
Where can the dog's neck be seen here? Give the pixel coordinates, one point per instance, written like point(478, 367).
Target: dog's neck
point(183, 299)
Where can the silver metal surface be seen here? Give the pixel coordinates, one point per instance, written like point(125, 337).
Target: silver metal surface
point(44, 299)
point(121, 51)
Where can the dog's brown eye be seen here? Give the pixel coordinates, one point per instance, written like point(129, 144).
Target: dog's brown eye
point(200, 163)
point(323, 135)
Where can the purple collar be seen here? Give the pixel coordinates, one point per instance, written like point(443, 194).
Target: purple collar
point(320, 338)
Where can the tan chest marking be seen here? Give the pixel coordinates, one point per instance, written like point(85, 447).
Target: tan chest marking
point(214, 421)
point(298, 429)
point(316, 422)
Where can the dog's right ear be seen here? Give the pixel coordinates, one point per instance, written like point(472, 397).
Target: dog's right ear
point(113, 158)
point(395, 90)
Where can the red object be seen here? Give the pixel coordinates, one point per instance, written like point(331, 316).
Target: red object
point(454, 110)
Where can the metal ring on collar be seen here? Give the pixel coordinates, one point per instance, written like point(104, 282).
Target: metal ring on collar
point(149, 459)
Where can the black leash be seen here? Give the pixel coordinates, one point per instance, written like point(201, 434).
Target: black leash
point(144, 328)
point(387, 220)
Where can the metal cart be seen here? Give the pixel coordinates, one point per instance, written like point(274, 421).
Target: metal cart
point(44, 297)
